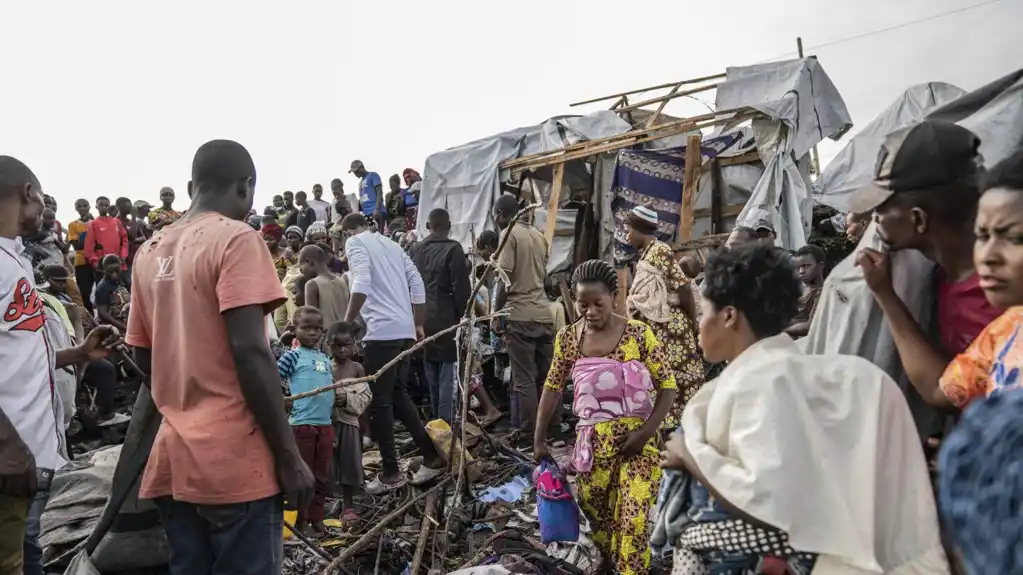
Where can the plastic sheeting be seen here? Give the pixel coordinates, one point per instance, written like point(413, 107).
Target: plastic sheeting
point(848, 319)
point(802, 107)
point(853, 167)
point(563, 246)
point(465, 180)
point(994, 112)
point(797, 93)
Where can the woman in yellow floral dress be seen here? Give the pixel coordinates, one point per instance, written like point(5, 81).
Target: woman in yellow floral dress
point(622, 392)
point(678, 333)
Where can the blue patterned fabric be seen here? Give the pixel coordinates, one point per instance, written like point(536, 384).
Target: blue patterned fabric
point(980, 486)
point(654, 178)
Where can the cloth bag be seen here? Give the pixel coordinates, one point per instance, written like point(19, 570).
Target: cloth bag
point(555, 508)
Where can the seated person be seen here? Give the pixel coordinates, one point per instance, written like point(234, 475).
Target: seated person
point(787, 462)
point(112, 298)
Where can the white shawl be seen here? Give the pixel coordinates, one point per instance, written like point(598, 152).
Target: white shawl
point(649, 294)
point(824, 448)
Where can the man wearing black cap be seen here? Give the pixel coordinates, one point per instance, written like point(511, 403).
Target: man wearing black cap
point(924, 197)
point(371, 194)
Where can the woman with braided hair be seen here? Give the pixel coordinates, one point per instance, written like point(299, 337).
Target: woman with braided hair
point(623, 390)
point(661, 297)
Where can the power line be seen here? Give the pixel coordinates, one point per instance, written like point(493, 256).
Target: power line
point(890, 28)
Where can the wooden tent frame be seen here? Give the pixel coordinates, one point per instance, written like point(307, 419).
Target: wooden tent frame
point(651, 131)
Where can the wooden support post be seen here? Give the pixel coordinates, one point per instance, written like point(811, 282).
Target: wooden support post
point(552, 205)
point(623, 290)
point(694, 159)
point(717, 197)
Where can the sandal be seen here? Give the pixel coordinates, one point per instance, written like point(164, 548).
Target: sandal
point(378, 487)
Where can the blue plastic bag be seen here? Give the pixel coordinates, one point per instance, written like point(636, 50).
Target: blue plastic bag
point(555, 507)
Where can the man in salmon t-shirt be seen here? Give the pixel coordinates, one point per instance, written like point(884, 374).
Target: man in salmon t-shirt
point(225, 452)
point(924, 197)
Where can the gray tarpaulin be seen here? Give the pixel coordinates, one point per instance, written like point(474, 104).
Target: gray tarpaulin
point(797, 93)
point(563, 247)
point(802, 107)
point(994, 112)
point(853, 167)
point(465, 180)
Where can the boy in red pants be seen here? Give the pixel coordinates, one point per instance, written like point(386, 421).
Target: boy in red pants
point(308, 368)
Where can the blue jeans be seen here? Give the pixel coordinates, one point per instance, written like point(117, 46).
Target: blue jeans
point(233, 539)
point(441, 379)
point(33, 553)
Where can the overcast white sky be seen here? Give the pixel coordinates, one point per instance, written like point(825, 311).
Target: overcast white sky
point(113, 97)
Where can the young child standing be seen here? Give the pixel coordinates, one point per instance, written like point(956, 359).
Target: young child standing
point(350, 403)
point(308, 368)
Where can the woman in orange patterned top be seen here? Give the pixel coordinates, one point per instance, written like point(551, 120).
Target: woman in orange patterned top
point(993, 361)
point(675, 327)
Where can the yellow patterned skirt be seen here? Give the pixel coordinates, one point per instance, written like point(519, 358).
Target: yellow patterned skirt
point(617, 494)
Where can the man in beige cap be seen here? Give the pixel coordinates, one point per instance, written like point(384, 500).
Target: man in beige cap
point(371, 194)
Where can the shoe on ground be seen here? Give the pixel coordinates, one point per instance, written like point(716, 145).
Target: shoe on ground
point(425, 475)
point(378, 487)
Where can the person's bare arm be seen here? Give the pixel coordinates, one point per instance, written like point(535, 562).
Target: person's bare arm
point(144, 359)
point(380, 198)
point(260, 381)
point(104, 314)
point(550, 402)
point(17, 465)
point(923, 362)
point(312, 295)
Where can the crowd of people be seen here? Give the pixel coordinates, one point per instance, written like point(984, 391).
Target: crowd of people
point(276, 356)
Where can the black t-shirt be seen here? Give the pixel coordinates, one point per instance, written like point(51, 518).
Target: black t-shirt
point(113, 295)
point(303, 218)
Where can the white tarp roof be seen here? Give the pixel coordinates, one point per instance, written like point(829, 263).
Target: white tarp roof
point(465, 181)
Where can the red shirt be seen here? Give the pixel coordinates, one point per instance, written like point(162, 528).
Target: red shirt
point(105, 236)
point(963, 312)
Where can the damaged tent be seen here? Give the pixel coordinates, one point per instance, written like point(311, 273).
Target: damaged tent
point(589, 170)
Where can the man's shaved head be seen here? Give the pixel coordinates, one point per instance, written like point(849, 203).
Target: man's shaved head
point(21, 199)
point(14, 175)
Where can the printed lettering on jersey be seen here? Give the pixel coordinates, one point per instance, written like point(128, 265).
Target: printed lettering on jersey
point(25, 311)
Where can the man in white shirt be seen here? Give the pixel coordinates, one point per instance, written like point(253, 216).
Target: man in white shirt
point(389, 293)
point(319, 205)
point(31, 415)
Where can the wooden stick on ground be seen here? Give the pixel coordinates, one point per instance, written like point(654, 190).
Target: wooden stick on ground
point(354, 548)
point(374, 376)
point(424, 531)
point(314, 547)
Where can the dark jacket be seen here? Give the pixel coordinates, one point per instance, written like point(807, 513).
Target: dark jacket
point(445, 272)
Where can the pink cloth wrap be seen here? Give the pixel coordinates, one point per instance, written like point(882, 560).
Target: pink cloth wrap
point(606, 390)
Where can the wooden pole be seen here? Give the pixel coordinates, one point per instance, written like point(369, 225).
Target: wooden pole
point(648, 89)
point(552, 205)
point(670, 96)
point(718, 191)
point(690, 181)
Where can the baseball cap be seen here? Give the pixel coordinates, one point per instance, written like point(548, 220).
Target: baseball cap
point(139, 204)
point(355, 166)
point(923, 156)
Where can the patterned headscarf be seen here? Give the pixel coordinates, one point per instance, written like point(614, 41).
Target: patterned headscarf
point(272, 230)
point(295, 230)
point(315, 228)
point(980, 486)
point(407, 175)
